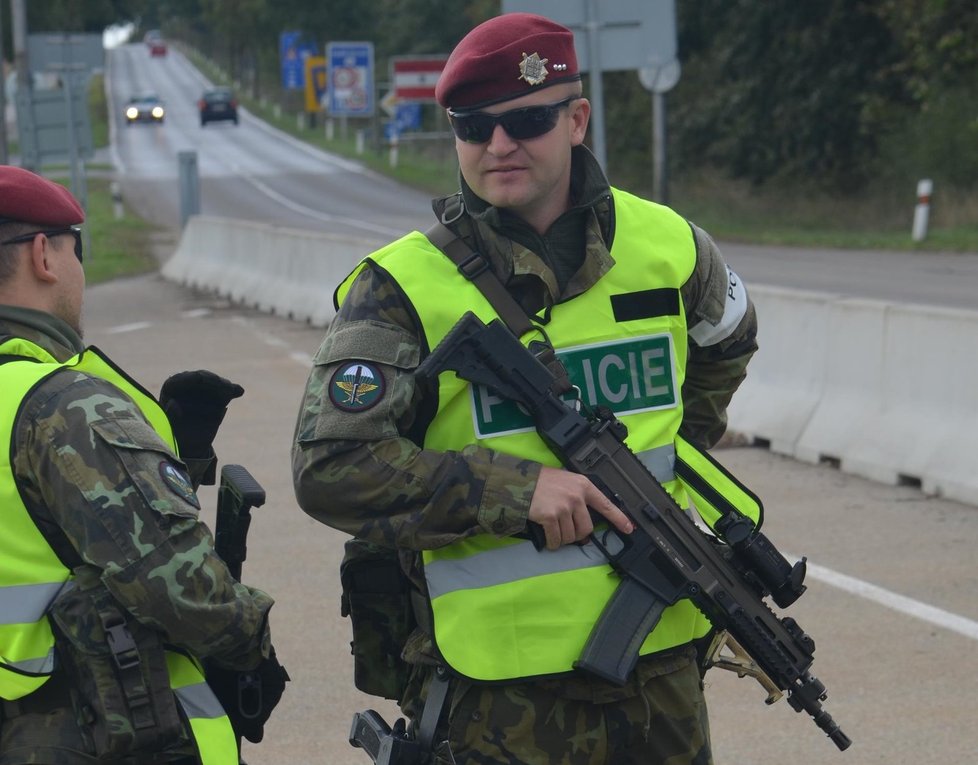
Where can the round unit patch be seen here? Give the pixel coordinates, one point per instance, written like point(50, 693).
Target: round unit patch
point(178, 482)
point(356, 387)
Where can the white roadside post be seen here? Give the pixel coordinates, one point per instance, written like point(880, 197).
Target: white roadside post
point(921, 213)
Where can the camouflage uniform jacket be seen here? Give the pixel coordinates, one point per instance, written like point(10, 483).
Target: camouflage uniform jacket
point(365, 472)
point(127, 526)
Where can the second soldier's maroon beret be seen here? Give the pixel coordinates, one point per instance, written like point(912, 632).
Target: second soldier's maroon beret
point(29, 198)
point(507, 57)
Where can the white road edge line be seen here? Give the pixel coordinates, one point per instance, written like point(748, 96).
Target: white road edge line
point(133, 327)
point(317, 214)
point(936, 616)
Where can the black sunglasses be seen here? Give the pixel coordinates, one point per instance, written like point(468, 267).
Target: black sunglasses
point(519, 124)
point(73, 230)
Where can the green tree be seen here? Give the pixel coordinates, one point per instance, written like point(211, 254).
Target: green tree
point(784, 89)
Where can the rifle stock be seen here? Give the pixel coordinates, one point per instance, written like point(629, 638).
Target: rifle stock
point(667, 557)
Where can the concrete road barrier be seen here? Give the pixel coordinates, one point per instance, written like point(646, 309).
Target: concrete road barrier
point(884, 390)
point(284, 271)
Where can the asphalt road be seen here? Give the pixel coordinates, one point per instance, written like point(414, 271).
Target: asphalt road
point(892, 576)
point(929, 278)
point(250, 171)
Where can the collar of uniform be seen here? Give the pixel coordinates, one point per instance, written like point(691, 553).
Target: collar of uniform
point(41, 328)
point(506, 241)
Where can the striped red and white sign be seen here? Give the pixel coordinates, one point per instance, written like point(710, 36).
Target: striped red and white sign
point(414, 78)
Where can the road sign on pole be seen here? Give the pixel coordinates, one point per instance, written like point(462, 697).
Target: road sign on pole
point(293, 53)
point(54, 124)
point(350, 75)
point(414, 77)
point(315, 88)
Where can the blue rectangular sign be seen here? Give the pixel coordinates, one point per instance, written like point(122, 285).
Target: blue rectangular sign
point(350, 68)
point(293, 53)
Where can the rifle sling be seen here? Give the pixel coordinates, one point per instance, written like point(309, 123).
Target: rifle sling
point(433, 705)
point(476, 269)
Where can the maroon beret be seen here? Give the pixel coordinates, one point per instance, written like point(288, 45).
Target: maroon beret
point(507, 57)
point(29, 198)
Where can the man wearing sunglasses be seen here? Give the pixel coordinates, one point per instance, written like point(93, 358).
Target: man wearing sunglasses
point(648, 321)
point(110, 590)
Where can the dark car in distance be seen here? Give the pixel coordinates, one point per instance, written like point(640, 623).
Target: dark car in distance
point(145, 107)
point(218, 104)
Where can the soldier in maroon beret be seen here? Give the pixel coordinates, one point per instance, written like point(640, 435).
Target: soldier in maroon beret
point(449, 475)
point(110, 590)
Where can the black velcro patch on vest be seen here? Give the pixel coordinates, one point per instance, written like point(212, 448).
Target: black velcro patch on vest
point(646, 304)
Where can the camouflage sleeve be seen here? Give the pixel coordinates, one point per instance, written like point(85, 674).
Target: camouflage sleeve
point(357, 463)
point(89, 462)
point(722, 333)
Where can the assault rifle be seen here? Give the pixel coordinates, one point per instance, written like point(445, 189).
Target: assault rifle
point(667, 557)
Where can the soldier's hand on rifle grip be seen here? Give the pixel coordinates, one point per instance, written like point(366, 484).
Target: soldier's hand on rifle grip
point(560, 505)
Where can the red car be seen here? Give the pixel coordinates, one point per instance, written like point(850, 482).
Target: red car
point(157, 48)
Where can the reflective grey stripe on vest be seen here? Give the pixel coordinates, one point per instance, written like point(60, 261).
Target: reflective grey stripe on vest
point(27, 603)
point(199, 701)
point(660, 462)
point(42, 666)
point(511, 564)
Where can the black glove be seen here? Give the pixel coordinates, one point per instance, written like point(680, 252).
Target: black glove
point(195, 403)
point(249, 696)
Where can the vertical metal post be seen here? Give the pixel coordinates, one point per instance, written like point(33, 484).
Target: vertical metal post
point(18, 18)
point(3, 101)
point(67, 87)
point(189, 186)
point(660, 169)
point(593, 25)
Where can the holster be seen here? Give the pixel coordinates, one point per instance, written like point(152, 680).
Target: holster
point(376, 597)
point(124, 702)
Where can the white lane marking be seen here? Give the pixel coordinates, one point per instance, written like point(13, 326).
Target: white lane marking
point(299, 357)
point(302, 359)
point(900, 603)
point(196, 313)
point(317, 214)
point(133, 327)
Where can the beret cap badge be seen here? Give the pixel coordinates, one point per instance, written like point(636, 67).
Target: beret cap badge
point(533, 69)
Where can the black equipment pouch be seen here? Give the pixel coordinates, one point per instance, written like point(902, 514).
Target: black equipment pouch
point(124, 702)
point(376, 597)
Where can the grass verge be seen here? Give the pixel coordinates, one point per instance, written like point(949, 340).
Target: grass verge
point(118, 247)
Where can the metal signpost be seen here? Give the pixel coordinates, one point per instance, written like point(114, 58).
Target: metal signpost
point(53, 123)
point(56, 51)
point(610, 35)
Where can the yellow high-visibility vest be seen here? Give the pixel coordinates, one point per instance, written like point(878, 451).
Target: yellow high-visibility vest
point(32, 576)
point(501, 609)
